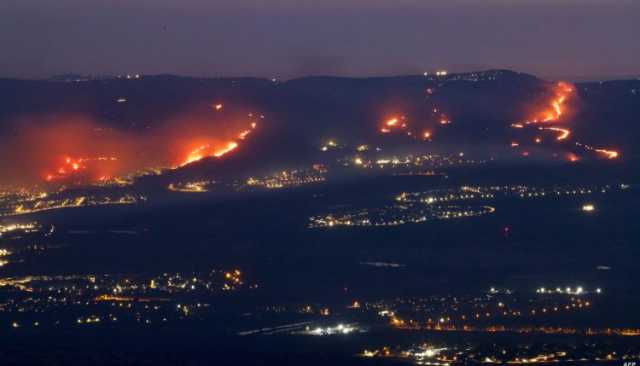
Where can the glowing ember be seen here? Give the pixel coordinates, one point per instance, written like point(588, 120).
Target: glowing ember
point(562, 92)
point(206, 150)
point(230, 146)
point(610, 154)
point(393, 123)
point(563, 132)
point(72, 166)
point(573, 157)
point(196, 154)
point(244, 134)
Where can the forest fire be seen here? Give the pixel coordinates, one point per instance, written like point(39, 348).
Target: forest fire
point(78, 166)
point(217, 151)
point(393, 123)
point(562, 91)
point(610, 154)
point(196, 154)
point(78, 150)
point(230, 147)
point(207, 150)
point(563, 132)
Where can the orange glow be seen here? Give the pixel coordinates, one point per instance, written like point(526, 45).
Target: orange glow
point(564, 132)
point(206, 150)
point(562, 91)
point(537, 140)
point(107, 297)
point(554, 113)
point(230, 147)
point(610, 154)
point(218, 106)
point(426, 135)
point(573, 157)
point(70, 167)
point(78, 150)
point(244, 134)
point(392, 122)
point(196, 154)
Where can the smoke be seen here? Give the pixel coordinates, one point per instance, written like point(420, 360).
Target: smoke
point(78, 149)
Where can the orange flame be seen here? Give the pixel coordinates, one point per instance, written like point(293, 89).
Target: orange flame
point(573, 157)
point(610, 154)
point(73, 166)
point(564, 132)
point(230, 147)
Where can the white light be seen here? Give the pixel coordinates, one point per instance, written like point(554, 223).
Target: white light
point(588, 207)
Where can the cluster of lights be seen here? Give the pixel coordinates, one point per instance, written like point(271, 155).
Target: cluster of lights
point(409, 161)
point(397, 215)
point(113, 297)
point(465, 193)
point(327, 331)
point(498, 354)
point(287, 179)
point(29, 227)
point(22, 207)
point(578, 290)
point(191, 187)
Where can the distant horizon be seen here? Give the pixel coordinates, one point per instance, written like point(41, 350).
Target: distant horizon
point(573, 78)
point(586, 39)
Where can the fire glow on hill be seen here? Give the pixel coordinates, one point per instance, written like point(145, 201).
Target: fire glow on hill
point(79, 150)
point(553, 114)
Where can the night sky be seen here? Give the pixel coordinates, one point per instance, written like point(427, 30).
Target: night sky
point(289, 38)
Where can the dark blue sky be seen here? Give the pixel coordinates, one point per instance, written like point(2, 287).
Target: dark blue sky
point(288, 38)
